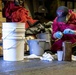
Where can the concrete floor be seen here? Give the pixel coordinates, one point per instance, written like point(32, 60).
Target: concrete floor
point(37, 67)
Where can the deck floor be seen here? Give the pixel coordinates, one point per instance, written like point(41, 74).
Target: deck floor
point(37, 67)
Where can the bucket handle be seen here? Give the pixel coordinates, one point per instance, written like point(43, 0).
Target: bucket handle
point(9, 34)
point(12, 46)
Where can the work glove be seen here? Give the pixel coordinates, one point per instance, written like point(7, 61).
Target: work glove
point(58, 35)
point(68, 31)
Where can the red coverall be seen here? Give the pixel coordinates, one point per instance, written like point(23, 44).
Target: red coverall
point(60, 26)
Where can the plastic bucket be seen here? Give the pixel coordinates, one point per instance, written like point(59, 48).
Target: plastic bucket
point(13, 25)
point(13, 49)
point(46, 36)
point(36, 46)
point(13, 29)
point(13, 35)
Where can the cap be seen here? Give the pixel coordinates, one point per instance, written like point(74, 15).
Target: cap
point(62, 11)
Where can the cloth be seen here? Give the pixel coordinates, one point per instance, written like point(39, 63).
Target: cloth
point(47, 57)
point(61, 26)
point(32, 56)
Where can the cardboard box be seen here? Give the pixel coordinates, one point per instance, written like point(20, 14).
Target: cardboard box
point(67, 51)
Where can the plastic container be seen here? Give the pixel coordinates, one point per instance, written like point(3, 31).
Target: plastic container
point(13, 35)
point(36, 46)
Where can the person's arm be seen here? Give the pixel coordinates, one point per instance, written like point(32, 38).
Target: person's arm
point(72, 18)
point(72, 22)
point(56, 34)
point(54, 26)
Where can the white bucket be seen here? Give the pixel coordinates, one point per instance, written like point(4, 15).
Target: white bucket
point(13, 49)
point(13, 29)
point(36, 46)
point(14, 33)
point(13, 41)
point(11, 25)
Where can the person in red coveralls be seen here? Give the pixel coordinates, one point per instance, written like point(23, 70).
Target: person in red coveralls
point(63, 28)
point(15, 12)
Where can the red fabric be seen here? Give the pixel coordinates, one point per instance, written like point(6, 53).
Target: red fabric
point(21, 15)
point(17, 14)
point(8, 9)
point(60, 26)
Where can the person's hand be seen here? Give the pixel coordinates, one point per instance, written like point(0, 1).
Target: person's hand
point(68, 31)
point(58, 35)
